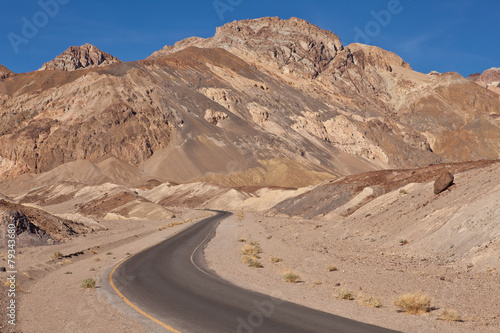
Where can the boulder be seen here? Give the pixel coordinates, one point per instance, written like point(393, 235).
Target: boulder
point(444, 181)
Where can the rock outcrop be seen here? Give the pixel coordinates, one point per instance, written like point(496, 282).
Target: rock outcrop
point(490, 79)
point(5, 72)
point(78, 57)
point(34, 226)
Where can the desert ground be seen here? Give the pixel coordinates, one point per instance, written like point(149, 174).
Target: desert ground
point(407, 240)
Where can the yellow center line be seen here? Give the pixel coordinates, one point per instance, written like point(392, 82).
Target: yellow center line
point(129, 302)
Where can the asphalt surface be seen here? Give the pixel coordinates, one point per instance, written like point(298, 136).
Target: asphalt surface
point(169, 283)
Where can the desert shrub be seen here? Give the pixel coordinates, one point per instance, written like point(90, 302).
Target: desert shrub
point(276, 259)
point(291, 277)
point(57, 255)
point(252, 249)
point(88, 283)
point(413, 303)
point(255, 263)
point(68, 272)
point(371, 301)
point(345, 294)
point(450, 315)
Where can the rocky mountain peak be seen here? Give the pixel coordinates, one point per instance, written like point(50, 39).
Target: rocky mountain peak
point(293, 45)
point(78, 57)
point(5, 72)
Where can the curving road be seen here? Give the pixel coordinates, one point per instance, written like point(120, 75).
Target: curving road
point(170, 284)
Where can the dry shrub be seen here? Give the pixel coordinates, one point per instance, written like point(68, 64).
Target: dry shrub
point(57, 255)
point(252, 249)
point(291, 277)
point(450, 315)
point(255, 263)
point(345, 294)
point(88, 283)
point(371, 301)
point(276, 260)
point(414, 303)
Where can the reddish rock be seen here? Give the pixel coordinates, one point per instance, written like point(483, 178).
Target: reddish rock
point(443, 182)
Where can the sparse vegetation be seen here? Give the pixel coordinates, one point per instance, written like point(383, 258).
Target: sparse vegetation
point(250, 254)
point(291, 277)
point(127, 254)
point(88, 283)
point(371, 301)
point(269, 236)
point(345, 294)
point(67, 261)
point(240, 216)
point(28, 276)
point(97, 259)
point(68, 272)
point(109, 253)
point(450, 315)
point(57, 255)
point(255, 263)
point(91, 269)
point(252, 249)
point(173, 224)
point(242, 240)
point(413, 303)
point(403, 191)
point(276, 260)
point(403, 242)
point(93, 251)
point(332, 268)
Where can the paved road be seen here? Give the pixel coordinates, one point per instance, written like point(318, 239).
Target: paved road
point(169, 283)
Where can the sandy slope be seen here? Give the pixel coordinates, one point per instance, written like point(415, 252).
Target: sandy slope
point(452, 255)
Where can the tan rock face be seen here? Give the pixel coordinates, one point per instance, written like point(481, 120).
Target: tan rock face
point(77, 57)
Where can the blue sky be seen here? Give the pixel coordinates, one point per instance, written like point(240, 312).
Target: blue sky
point(459, 35)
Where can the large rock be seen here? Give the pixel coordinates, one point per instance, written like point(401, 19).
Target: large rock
point(443, 182)
point(77, 57)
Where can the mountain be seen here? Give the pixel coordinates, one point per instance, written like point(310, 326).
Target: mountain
point(265, 102)
point(5, 72)
point(490, 79)
point(78, 57)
